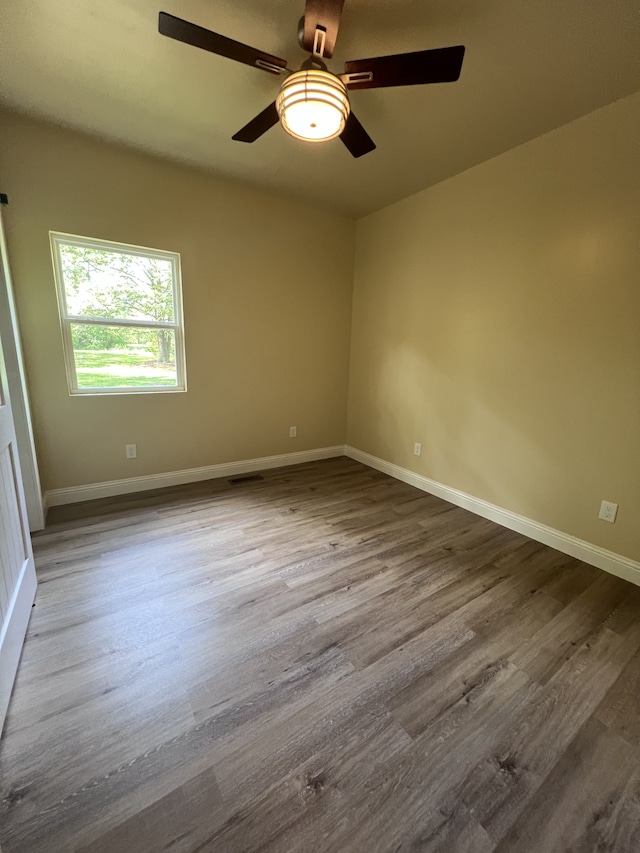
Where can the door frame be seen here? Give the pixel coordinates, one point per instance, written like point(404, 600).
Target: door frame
point(16, 379)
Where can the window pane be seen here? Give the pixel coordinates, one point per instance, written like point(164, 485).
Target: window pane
point(117, 357)
point(115, 285)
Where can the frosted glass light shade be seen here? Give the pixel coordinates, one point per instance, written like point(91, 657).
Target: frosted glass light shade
point(313, 105)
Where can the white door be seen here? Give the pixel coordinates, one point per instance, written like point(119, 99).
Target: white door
point(17, 570)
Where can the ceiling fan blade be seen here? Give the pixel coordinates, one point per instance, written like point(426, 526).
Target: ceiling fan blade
point(356, 138)
point(441, 65)
point(325, 15)
point(176, 28)
point(258, 125)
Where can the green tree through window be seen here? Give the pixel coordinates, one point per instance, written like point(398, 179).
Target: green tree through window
point(120, 310)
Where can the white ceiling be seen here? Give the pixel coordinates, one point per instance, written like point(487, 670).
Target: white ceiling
point(529, 67)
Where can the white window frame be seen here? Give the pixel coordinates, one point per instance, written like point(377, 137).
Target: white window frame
point(57, 239)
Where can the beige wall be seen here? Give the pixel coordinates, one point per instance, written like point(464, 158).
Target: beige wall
point(496, 320)
point(267, 325)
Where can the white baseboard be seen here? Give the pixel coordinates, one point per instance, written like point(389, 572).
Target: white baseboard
point(92, 491)
point(615, 564)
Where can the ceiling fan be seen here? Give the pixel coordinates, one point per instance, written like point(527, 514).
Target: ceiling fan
point(313, 103)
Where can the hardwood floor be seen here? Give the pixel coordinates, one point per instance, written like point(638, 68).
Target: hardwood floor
point(324, 659)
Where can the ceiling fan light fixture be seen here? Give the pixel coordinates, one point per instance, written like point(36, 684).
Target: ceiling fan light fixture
point(313, 105)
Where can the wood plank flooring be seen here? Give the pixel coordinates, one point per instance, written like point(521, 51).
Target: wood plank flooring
point(321, 660)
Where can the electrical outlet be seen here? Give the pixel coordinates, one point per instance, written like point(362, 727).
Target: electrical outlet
point(293, 432)
point(131, 451)
point(608, 511)
point(417, 448)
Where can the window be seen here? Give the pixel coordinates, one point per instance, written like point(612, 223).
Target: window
point(121, 316)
